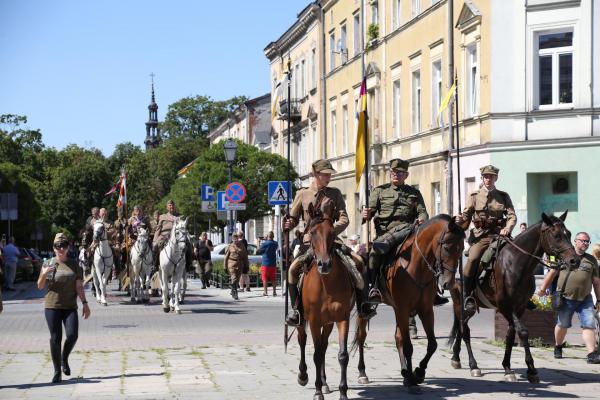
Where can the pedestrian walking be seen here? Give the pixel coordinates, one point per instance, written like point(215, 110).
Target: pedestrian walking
point(576, 288)
point(11, 255)
point(268, 269)
point(204, 266)
point(65, 283)
point(236, 259)
point(244, 277)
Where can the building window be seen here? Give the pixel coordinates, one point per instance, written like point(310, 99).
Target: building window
point(356, 31)
point(436, 92)
point(345, 136)
point(313, 68)
point(472, 81)
point(397, 6)
point(396, 121)
point(555, 68)
point(333, 134)
point(302, 79)
point(374, 13)
point(331, 51)
point(416, 8)
point(315, 142)
point(436, 198)
point(416, 101)
point(343, 47)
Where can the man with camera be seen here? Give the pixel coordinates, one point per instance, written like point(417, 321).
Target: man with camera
point(576, 288)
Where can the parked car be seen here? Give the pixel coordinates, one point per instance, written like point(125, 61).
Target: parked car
point(25, 270)
point(37, 262)
point(218, 253)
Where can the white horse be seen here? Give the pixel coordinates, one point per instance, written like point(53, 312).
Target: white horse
point(172, 266)
point(103, 261)
point(141, 263)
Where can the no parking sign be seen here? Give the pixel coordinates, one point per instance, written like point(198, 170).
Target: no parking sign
point(235, 192)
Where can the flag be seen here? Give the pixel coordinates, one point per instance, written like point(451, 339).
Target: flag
point(187, 168)
point(446, 100)
point(361, 130)
point(280, 94)
point(122, 191)
point(113, 189)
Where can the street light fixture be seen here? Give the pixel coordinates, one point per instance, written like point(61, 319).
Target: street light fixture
point(230, 149)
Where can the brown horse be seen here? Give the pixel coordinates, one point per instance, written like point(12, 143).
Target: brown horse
point(428, 258)
point(327, 298)
point(509, 287)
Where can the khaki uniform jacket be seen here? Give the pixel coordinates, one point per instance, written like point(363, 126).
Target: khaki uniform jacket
point(236, 256)
point(139, 221)
point(307, 196)
point(395, 207)
point(490, 211)
point(164, 227)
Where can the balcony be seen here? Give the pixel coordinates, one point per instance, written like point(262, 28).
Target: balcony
point(295, 111)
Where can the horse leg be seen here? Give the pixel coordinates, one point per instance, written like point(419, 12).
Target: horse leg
point(164, 283)
point(361, 337)
point(456, 332)
point(103, 279)
point(427, 319)
point(405, 349)
point(318, 358)
point(177, 292)
point(343, 357)
point(96, 281)
point(509, 375)
point(302, 375)
point(532, 374)
point(325, 343)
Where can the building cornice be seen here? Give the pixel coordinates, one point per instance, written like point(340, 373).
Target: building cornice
point(306, 18)
point(545, 144)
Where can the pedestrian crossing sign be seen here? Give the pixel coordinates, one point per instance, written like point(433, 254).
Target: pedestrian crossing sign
point(279, 193)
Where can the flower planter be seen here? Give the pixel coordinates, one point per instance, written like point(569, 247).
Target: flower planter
point(539, 323)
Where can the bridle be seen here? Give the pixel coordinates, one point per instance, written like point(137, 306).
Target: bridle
point(175, 241)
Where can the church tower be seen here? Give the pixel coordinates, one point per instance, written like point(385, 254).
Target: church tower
point(152, 132)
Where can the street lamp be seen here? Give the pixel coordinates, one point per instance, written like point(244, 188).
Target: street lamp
point(230, 148)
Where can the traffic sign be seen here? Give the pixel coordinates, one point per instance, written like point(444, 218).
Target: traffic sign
point(236, 206)
point(207, 193)
point(279, 192)
point(221, 202)
point(209, 206)
point(235, 192)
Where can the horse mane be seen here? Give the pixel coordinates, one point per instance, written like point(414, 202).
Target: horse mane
point(453, 228)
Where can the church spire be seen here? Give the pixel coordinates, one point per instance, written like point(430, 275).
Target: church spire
point(152, 131)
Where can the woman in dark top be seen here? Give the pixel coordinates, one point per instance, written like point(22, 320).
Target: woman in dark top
point(64, 277)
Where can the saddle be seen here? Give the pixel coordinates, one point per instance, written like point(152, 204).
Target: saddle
point(403, 253)
point(488, 259)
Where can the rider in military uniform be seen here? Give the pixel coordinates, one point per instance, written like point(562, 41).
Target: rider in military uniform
point(162, 233)
point(395, 207)
point(321, 171)
point(493, 214)
point(136, 221)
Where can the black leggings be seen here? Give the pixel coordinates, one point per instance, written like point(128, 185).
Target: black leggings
point(54, 318)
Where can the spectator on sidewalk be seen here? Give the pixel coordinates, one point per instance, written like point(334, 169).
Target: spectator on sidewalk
point(268, 269)
point(204, 266)
point(236, 260)
point(11, 255)
point(577, 298)
point(244, 277)
point(64, 277)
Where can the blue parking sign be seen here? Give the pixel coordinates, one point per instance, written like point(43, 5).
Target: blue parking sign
point(207, 192)
point(221, 202)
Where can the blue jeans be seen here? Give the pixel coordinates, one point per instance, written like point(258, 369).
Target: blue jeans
point(585, 309)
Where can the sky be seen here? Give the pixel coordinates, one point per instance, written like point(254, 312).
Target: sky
point(80, 70)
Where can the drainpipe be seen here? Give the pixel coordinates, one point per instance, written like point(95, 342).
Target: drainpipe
point(592, 70)
point(450, 179)
point(525, 58)
point(323, 85)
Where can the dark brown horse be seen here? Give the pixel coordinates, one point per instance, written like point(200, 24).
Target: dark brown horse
point(428, 258)
point(327, 298)
point(509, 287)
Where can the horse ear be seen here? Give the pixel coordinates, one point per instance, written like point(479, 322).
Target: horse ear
point(546, 219)
point(564, 215)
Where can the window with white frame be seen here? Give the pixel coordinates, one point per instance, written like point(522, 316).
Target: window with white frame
point(396, 121)
point(333, 134)
point(302, 79)
point(436, 198)
point(472, 98)
point(416, 101)
point(343, 46)
point(331, 51)
point(356, 32)
point(555, 68)
point(374, 13)
point(313, 68)
point(345, 135)
point(436, 92)
point(315, 142)
point(415, 8)
point(396, 8)
point(294, 89)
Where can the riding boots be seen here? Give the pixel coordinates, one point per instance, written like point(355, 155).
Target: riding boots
point(374, 293)
point(469, 288)
point(293, 318)
point(365, 309)
point(389, 240)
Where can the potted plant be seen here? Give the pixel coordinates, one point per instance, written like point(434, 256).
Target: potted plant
point(372, 35)
point(539, 322)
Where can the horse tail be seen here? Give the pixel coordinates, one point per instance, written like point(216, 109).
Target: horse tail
point(354, 345)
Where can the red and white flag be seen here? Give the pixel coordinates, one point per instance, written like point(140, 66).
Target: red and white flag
point(113, 189)
point(122, 191)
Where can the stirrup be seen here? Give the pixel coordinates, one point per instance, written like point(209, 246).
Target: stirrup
point(375, 296)
point(470, 305)
point(289, 320)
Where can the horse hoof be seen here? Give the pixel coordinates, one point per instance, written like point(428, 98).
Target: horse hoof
point(533, 378)
point(455, 364)
point(318, 397)
point(178, 311)
point(510, 377)
point(325, 389)
point(364, 380)
point(476, 373)
point(172, 308)
point(166, 309)
point(105, 304)
point(419, 374)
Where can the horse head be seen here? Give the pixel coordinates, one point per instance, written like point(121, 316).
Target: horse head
point(86, 236)
point(322, 236)
point(556, 239)
point(180, 233)
point(142, 235)
point(451, 243)
point(99, 231)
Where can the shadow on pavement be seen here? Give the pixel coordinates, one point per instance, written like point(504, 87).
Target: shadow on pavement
point(24, 291)
point(214, 311)
point(76, 381)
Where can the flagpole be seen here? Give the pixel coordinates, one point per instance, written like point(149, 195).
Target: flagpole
point(286, 234)
point(365, 133)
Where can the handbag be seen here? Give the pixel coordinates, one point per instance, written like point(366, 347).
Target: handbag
point(558, 300)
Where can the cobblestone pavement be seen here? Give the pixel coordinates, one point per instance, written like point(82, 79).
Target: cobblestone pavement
point(183, 356)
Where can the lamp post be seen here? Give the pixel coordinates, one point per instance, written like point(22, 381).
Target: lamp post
point(230, 148)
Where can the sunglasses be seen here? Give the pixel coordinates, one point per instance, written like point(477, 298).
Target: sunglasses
point(583, 241)
point(61, 245)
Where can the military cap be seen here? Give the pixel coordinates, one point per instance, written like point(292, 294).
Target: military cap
point(489, 169)
point(60, 237)
point(398, 164)
point(323, 166)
